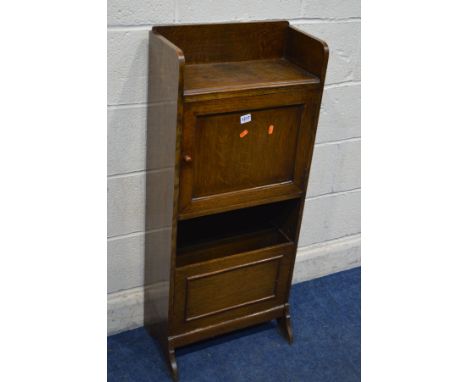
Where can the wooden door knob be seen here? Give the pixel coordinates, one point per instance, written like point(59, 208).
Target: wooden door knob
point(187, 158)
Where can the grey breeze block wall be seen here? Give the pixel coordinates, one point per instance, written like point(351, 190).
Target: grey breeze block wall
point(330, 235)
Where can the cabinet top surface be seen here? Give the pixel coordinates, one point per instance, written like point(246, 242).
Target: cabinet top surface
point(243, 75)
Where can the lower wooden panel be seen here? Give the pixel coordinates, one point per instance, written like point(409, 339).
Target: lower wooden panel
point(220, 290)
point(226, 326)
point(231, 288)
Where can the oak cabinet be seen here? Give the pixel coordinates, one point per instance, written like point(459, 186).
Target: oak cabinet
point(243, 103)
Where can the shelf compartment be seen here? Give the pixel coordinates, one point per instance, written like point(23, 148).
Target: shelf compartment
point(222, 235)
point(232, 59)
point(243, 242)
point(222, 77)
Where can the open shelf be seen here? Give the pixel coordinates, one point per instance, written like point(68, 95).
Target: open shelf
point(241, 58)
point(220, 235)
point(230, 245)
point(244, 75)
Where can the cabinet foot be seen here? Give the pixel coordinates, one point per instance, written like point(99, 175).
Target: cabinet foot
point(285, 324)
point(173, 364)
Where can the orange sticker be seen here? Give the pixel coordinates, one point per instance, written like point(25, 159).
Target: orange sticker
point(270, 129)
point(244, 133)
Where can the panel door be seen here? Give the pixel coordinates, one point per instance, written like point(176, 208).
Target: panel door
point(227, 288)
point(244, 154)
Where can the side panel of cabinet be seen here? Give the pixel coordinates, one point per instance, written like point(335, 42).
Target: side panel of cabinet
point(230, 163)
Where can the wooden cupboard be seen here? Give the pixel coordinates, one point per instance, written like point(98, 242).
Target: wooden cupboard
point(239, 105)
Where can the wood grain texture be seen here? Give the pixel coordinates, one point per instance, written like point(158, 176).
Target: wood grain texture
point(165, 73)
point(243, 172)
point(221, 327)
point(230, 245)
point(241, 199)
point(239, 188)
point(228, 41)
point(310, 53)
point(230, 287)
point(236, 287)
point(226, 161)
point(236, 231)
point(173, 363)
point(284, 323)
point(245, 75)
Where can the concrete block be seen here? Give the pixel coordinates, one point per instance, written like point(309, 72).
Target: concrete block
point(321, 259)
point(336, 167)
point(323, 170)
point(348, 169)
point(340, 115)
point(127, 138)
point(125, 310)
point(126, 258)
point(127, 66)
point(202, 11)
point(330, 217)
point(140, 12)
point(344, 41)
point(331, 8)
point(126, 206)
point(125, 262)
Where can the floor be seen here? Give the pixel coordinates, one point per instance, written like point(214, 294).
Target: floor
point(326, 319)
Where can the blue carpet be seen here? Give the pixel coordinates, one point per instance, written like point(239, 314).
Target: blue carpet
point(326, 320)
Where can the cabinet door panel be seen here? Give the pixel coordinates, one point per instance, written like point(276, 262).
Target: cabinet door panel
point(221, 290)
point(231, 156)
point(249, 152)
